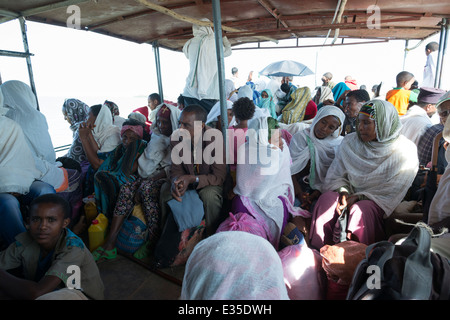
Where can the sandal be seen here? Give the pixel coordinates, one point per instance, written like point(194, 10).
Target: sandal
point(101, 254)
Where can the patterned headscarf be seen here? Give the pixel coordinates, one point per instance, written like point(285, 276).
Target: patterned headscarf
point(77, 111)
point(295, 110)
point(113, 107)
point(387, 121)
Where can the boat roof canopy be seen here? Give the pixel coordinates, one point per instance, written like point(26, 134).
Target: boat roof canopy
point(169, 22)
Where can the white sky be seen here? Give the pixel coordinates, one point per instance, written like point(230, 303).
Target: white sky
point(76, 63)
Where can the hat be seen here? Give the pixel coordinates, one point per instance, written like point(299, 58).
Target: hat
point(444, 97)
point(164, 112)
point(430, 95)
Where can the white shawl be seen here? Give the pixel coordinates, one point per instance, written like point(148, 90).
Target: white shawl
point(381, 170)
point(234, 265)
point(262, 176)
point(440, 205)
point(324, 149)
point(22, 108)
point(105, 133)
point(201, 83)
point(17, 169)
point(157, 155)
point(414, 123)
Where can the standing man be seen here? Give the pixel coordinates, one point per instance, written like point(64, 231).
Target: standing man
point(429, 72)
point(202, 82)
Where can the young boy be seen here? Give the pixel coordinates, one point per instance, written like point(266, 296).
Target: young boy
point(51, 258)
point(400, 95)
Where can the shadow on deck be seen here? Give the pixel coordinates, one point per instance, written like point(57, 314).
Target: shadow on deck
point(126, 278)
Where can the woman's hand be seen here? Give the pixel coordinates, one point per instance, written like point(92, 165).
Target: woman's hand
point(345, 201)
point(85, 129)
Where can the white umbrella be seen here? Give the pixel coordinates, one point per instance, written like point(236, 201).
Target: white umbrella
point(286, 68)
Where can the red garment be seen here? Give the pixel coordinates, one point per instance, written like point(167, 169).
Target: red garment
point(144, 111)
point(352, 84)
point(311, 110)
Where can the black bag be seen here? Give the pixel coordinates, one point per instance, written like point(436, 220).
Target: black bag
point(174, 247)
point(405, 272)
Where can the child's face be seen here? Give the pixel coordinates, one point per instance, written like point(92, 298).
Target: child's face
point(46, 223)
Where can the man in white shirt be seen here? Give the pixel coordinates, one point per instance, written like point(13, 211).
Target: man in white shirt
point(417, 118)
point(429, 72)
point(202, 83)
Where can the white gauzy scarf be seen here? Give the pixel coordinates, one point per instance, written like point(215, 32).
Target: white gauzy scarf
point(157, 155)
point(262, 176)
point(381, 170)
point(323, 149)
point(440, 205)
point(17, 169)
point(22, 108)
point(234, 265)
point(105, 133)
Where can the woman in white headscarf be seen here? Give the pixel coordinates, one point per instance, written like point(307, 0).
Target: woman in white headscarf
point(263, 179)
point(22, 108)
point(18, 177)
point(373, 169)
point(312, 151)
point(99, 138)
point(234, 265)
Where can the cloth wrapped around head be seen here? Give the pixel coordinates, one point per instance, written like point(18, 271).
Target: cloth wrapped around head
point(163, 112)
point(138, 129)
point(234, 265)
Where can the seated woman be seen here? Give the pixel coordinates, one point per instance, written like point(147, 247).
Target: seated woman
point(18, 174)
point(371, 173)
point(21, 103)
point(243, 110)
point(75, 112)
point(312, 151)
point(99, 138)
point(266, 102)
point(153, 168)
point(264, 187)
point(119, 167)
point(296, 109)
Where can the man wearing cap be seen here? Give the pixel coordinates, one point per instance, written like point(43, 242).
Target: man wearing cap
point(417, 119)
point(425, 146)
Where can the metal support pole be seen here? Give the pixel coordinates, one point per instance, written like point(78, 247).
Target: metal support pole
point(158, 69)
point(221, 71)
point(23, 28)
point(406, 53)
point(444, 49)
point(439, 56)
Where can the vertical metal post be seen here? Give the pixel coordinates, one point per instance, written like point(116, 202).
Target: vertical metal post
point(23, 28)
point(439, 56)
point(221, 72)
point(444, 49)
point(406, 53)
point(158, 69)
